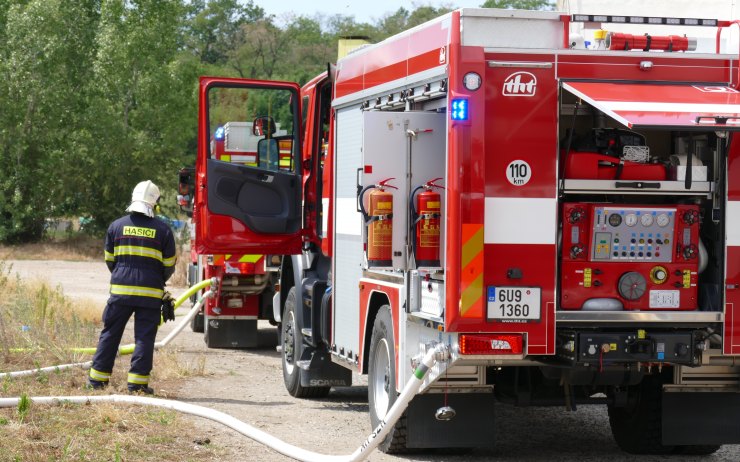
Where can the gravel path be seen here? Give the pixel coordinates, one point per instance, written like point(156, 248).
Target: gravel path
point(248, 385)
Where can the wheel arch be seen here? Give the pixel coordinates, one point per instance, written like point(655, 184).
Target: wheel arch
point(376, 300)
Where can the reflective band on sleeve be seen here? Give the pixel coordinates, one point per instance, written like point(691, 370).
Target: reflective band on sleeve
point(138, 379)
point(138, 251)
point(116, 289)
point(99, 376)
point(169, 261)
point(109, 256)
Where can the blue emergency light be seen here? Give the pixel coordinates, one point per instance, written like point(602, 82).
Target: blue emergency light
point(459, 109)
point(219, 135)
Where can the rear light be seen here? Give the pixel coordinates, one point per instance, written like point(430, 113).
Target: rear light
point(491, 344)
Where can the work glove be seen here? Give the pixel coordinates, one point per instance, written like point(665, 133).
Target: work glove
point(168, 307)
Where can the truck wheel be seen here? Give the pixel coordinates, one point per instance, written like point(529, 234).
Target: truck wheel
point(697, 450)
point(291, 340)
point(637, 427)
point(381, 381)
point(197, 324)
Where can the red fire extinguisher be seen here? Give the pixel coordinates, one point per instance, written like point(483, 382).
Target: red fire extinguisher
point(426, 213)
point(379, 223)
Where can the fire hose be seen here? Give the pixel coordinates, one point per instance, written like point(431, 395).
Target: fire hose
point(129, 349)
point(439, 352)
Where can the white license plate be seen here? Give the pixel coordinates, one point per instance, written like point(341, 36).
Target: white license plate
point(514, 304)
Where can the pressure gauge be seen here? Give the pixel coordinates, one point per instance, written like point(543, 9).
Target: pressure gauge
point(630, 219)
point(615, 219)
point(646, 220)
point(662, 220)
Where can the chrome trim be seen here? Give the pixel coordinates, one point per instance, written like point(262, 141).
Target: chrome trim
point(521, 64)
point(668, 317)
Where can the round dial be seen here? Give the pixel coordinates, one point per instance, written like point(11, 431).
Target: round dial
point(630, 219)
point(646, 220)
point(632, 285)
point(662, 220)
point(615, 219)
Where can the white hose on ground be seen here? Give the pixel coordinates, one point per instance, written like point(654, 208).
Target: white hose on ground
point(87, 364)
point(361, 453)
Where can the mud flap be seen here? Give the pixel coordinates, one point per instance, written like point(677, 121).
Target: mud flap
point(425, 431)
point(230, 333)
point(319, 371)
point(701, 418)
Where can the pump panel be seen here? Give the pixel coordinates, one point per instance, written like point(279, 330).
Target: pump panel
point(630, 257)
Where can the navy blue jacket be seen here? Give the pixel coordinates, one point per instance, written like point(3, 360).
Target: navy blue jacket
point(140, 254)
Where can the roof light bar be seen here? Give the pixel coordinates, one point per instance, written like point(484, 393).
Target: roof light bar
point(644, 20)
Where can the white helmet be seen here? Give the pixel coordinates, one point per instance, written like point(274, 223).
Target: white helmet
point(144, 198)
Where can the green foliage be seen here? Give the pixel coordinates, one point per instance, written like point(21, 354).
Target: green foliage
point(24, 405)
point(520, 4)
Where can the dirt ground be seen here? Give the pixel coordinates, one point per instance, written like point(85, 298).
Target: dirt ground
point(248, 385)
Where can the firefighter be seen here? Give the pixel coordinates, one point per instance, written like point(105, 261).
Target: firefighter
point(140, 253)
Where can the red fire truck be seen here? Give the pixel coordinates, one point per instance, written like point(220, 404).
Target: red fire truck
point(246, 282)
point(565, 221)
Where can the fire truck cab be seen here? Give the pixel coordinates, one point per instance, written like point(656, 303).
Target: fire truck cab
point(565, 221)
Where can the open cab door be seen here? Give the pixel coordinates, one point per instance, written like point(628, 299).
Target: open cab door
point(248, 176)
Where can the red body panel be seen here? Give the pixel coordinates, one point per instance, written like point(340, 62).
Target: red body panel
point(410, 53)
point(666, 68)
point(392, 292)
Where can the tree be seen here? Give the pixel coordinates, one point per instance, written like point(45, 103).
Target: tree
point(520, 4)
point(214, 26)
point(42, 90)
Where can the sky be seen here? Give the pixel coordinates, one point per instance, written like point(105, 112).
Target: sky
point(363, 10)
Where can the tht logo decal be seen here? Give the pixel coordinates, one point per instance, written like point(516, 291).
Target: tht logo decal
point(520, 84)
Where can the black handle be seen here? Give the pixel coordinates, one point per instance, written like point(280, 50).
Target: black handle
point(636, 184)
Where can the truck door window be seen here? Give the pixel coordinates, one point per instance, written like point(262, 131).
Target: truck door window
point(252, 127)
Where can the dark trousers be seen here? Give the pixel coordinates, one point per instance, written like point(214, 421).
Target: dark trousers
point(115, 317)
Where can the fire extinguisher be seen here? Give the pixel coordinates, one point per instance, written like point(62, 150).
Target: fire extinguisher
point(379, 223)
point(426, 213)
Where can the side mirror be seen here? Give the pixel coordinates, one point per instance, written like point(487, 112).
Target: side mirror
point(186, 180)
point(264, 126)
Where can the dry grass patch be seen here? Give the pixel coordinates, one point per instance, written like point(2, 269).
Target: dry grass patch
point(38, 328)
point(79, 247)
point(99, 432)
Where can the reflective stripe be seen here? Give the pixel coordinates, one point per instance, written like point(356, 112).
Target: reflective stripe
point(138, 379)
point(169, 261)
point(116, 289)
point(99, 376)
point(138, 251)
point(109, 256)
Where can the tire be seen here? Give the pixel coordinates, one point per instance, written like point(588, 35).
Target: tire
point(381, 381)
point(697, 450)
point(637, 427)
point(197, 324)
point(291, 341)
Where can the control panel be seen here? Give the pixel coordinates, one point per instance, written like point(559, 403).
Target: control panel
point(633, 233)
point(637, 257)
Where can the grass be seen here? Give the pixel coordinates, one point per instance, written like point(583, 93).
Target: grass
point(74, 247)
point(38, 325)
